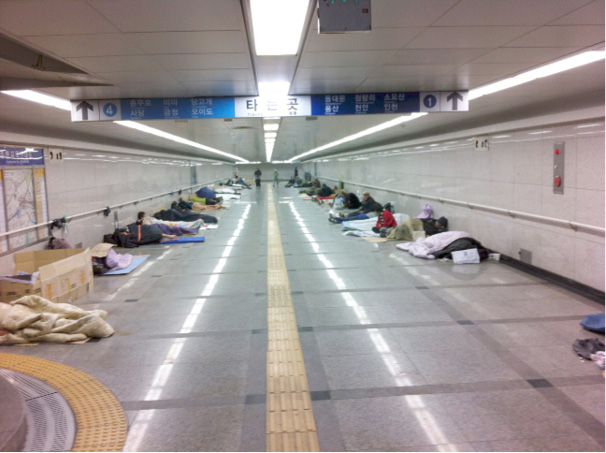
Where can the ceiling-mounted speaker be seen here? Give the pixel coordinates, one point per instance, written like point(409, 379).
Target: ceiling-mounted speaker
point(343, 16)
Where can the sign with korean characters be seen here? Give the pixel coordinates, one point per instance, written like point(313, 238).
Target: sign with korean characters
point(140, 109)
point(260, 107)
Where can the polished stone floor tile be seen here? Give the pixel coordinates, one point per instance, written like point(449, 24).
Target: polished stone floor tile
point(556, 361)
point(497, 416)
point(189, 429)
point(357, 342)
point(396, 423)
point(590, 397)
point(460, 365)
point(411, 313)
point(436, 338)
point(339, 316)
point(570, 442)
point(371, 371)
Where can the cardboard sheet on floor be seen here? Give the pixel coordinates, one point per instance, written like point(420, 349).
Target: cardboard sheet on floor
point(135, 263)
point(185, 239)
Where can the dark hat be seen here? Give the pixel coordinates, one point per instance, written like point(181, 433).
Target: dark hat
point(366, 193)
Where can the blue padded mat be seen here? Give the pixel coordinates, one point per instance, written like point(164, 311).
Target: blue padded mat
point(184, 240)
point(135, 263)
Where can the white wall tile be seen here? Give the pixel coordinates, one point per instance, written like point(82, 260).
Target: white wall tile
point(516, 173)
point(590, 207)
point(588, 264)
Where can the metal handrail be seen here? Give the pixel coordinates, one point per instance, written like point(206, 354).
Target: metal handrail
point(98, 211)
point(514, 214)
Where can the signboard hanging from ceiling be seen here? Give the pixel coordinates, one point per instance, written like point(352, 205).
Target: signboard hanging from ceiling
point(142, 109)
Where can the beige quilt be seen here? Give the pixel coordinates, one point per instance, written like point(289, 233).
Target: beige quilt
point(33, 319)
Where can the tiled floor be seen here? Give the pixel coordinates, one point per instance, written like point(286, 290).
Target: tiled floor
point(402, 354)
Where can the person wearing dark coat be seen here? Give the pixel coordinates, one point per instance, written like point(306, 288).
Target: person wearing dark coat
point(368, 205)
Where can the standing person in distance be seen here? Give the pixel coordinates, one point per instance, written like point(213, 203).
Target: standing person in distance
point(258, 177)
point(276, 177)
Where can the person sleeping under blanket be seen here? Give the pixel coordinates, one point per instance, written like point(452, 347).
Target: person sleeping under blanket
point(182, 227)
point(186, 216)
point(404, 231)
point(194, 206)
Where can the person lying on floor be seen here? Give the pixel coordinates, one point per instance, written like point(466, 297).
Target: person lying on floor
point(186, 216)
point(195, 206)
point(291, 182)
point(170, 227)
point(385, 220)
point(405, 230)
point(368, 205)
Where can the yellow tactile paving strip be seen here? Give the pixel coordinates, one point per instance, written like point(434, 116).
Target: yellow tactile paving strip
point(101, 422)
point(290, 420)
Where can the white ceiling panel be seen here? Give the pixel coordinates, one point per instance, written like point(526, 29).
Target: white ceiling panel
point(457, 37)
point(204, 61)
point(362, 58)
point(52, 17)
point(534, 55)
point(561, 36)
point(410, 13)
point(438, 56)
point(335, 73)
point(379, 39)
point(137, 77)
point(170, 15)
point(591, 14)
point(191, 42)
point(86, 45)
point(115, 63)
point(238, 88)
point(507, 12)
point(320, 86)
point(209, 75)
point(429, 71)
point(491, 69)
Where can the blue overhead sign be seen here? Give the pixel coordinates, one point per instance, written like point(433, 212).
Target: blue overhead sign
point(176, 108)
point(253, 107)
point(15, 157)
point(364, 104)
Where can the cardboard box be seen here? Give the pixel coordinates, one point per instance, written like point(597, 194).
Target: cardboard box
point(64, 275)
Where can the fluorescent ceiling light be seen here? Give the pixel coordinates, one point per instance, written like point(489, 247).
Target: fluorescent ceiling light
point(271, 127)
point(271, 134)
point(543, 71)
point(372, 130)
point(278, 25)
point(174, 138)
point(274, 90)
point(40, 98)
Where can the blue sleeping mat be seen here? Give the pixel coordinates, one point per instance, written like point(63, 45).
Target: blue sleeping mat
point(136, 262)
point(595, 323)
point(184, 240)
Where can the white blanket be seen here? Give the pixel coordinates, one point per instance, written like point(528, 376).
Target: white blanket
point(426, 247)
point(367, 224)
point(33, 319)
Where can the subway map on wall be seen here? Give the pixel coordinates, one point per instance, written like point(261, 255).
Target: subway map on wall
point(23, 194)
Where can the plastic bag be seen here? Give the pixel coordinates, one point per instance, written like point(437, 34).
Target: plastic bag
point(470, 256)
